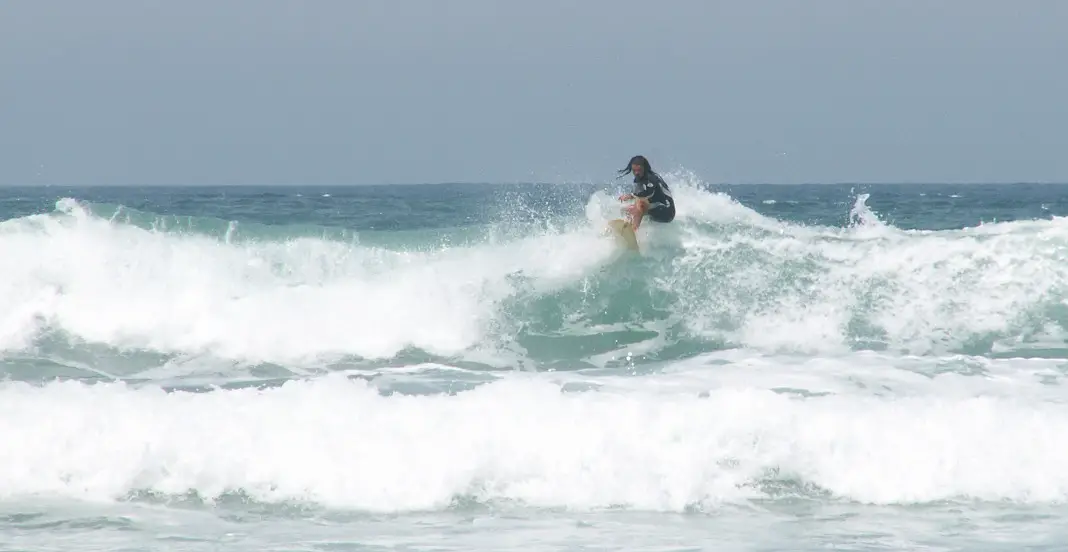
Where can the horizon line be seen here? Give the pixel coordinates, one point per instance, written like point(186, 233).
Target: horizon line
point(543, 183)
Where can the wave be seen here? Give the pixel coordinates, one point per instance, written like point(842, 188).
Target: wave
point(522, 439)
point(527, 294)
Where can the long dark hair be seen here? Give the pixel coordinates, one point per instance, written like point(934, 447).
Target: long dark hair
point(637, 160)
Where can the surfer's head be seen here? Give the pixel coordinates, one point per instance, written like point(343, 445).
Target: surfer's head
point(638, 165)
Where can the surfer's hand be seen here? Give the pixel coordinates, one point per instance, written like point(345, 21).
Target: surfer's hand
point(626, 197)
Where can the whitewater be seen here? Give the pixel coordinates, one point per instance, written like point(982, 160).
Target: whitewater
point(478, 367)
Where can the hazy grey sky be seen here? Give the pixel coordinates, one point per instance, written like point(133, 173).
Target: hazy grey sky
point(377, 91)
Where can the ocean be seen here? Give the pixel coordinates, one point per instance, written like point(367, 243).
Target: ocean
point(475, 367)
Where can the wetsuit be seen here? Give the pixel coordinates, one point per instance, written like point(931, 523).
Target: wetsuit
point(652, 187)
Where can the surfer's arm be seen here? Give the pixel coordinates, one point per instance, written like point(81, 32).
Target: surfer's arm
point(643, 190)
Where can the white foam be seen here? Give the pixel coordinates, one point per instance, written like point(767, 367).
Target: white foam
point(786, 287)
point(291, 301)
point(665, 448)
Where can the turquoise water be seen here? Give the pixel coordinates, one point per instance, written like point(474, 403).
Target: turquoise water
point(457, 367)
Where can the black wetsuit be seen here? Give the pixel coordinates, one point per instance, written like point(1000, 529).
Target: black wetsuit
point(661, 204)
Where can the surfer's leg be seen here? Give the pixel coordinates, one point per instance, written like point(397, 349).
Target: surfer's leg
point(661, 212)
point(636, 211)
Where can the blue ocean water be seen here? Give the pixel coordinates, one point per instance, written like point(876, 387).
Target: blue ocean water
point(457, 367)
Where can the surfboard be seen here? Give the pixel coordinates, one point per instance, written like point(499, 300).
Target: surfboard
point(624, 233)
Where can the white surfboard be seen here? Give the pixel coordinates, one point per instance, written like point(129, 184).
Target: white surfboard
point(624, 233)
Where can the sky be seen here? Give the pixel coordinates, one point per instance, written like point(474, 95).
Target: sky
point(423, 91)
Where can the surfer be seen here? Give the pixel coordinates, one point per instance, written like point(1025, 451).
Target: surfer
point(651, 195)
